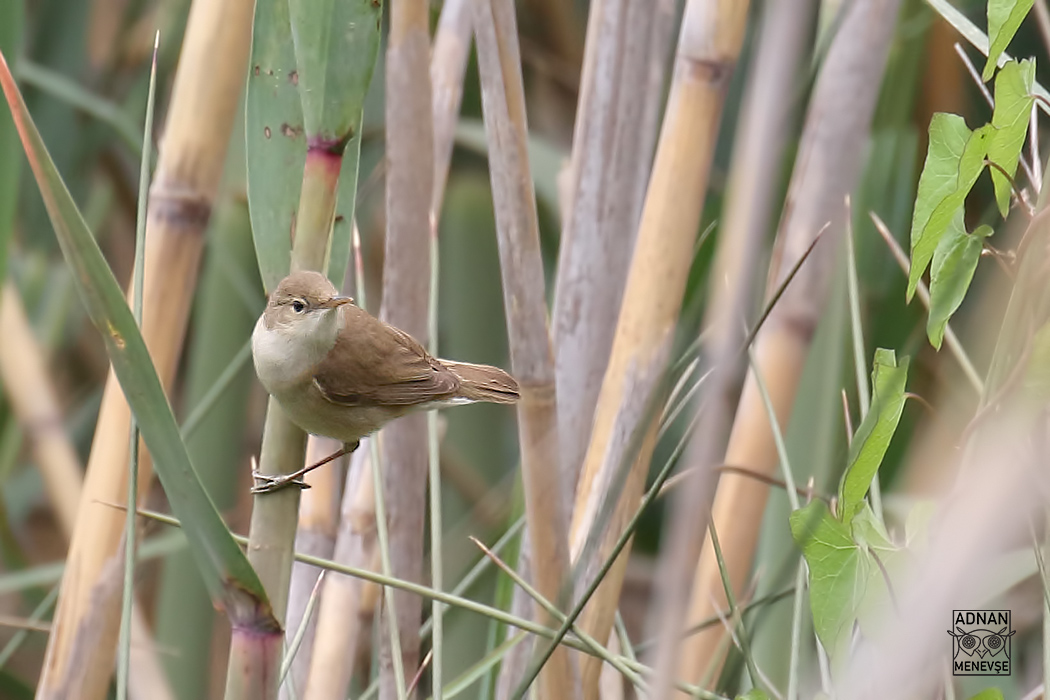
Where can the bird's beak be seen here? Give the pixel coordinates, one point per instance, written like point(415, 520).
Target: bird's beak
point(336, 301)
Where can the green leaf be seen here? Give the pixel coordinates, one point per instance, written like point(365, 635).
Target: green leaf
point(971, 164)
point(1013, 109)
point(230, 579)
point(954, 263)
point(873, 436)
point(276, 141)
point(838, 574)
point(940, 174)
point(336, 44)
point(1004, 18)
point(989, 694)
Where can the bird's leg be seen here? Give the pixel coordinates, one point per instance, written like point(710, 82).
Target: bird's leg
point(265, 483)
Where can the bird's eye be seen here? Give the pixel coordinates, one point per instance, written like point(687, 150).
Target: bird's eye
point(298, 306)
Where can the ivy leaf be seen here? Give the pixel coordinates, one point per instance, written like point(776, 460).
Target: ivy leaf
point(1013, 107)
point(838, 574)
point(872, 438)
point(954, 160)
point(954, 263)
point(1004, 18)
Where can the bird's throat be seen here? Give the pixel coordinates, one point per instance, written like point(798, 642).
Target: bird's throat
point(287, 355)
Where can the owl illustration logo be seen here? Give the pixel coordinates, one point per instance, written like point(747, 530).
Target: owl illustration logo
point(981, 642)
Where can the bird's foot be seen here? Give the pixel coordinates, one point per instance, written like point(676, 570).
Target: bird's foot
point(266, 483)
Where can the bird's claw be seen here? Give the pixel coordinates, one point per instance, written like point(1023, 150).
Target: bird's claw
point(266, 483)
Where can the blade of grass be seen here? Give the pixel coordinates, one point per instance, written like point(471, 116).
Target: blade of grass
point(124, 644)
point(796, 630)
point(48, 574)
point(300, 633)
point(596, 648)
point(231, 581)
point(597, 579)
point(857, 331)
point(200, 410)
point(62, 88)
point(745, 647)
point(408, 587)
point(388, 592)
point(478, 670)
point(19, 637)
point(479, 568)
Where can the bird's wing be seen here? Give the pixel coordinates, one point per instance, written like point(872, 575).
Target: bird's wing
point(374, 363)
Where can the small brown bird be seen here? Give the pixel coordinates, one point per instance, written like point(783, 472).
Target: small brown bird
point(338, 371)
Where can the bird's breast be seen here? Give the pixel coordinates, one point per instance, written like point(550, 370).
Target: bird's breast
point(281, 359)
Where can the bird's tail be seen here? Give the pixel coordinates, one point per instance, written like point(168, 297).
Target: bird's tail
point(483, 383)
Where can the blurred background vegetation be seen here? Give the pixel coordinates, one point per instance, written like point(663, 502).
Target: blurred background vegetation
point(83, 67)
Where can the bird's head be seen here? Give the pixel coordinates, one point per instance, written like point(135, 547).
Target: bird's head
point(303, 300)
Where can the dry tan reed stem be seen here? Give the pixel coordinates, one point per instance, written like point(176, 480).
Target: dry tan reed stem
point(406, 289)
point(828, 164)
point(344, 623)
point(708, 47)
point(35, 401)
point(604, 189)
point(316, 534)
point(752, 183)
point(532, 358)
point(609, 172)
point(204, 99)
point(448, 64)
point(595, 244)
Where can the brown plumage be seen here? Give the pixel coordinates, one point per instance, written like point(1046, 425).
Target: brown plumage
point(377, 365)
